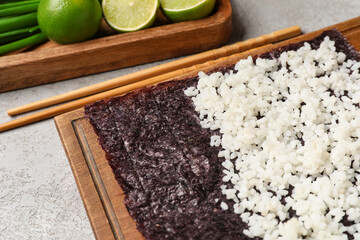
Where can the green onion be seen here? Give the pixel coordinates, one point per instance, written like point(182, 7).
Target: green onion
point(14, 1)
point(11, 23)
point(20, 31)
point(15, 4)
point(18, 25)
point(35, 39)
point(17, 10)
point(13, 38)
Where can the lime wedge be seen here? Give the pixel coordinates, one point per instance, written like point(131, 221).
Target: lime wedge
point(178, 11)
point(130, 15)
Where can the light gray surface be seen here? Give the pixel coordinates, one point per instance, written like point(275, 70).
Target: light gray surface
point(38, 195)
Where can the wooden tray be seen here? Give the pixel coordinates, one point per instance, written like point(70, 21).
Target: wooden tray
point(102, 196)
point(117, 51)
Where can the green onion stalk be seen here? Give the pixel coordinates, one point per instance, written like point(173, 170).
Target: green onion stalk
point(18, 25)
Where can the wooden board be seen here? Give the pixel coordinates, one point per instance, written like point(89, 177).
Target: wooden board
point(54, 62)
point(102, 196)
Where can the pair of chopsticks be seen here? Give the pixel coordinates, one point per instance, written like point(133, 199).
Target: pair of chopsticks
point(140, 79)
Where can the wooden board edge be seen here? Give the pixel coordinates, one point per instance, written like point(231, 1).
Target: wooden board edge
point(63, 50)
point(218, 18)
point(114, 52)
point(89, 195)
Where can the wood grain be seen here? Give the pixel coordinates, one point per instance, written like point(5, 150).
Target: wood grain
point(87, 187)
point(71, 124)
point(117, 51)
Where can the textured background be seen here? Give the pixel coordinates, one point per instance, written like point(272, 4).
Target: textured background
point(38, 195)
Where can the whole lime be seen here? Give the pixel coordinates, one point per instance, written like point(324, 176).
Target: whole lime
point(69, 21)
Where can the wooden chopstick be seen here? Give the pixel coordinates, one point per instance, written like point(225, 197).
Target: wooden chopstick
point(111, 93)
point(161, 69)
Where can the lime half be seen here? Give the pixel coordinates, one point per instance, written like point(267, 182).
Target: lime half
point(130, 15)
point(178, 11)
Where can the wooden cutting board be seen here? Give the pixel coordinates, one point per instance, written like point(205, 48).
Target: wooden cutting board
point(102, 196)
point(55, 62)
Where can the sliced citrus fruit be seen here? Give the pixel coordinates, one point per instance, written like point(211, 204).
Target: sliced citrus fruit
point(178, 11)
point(130, 15)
